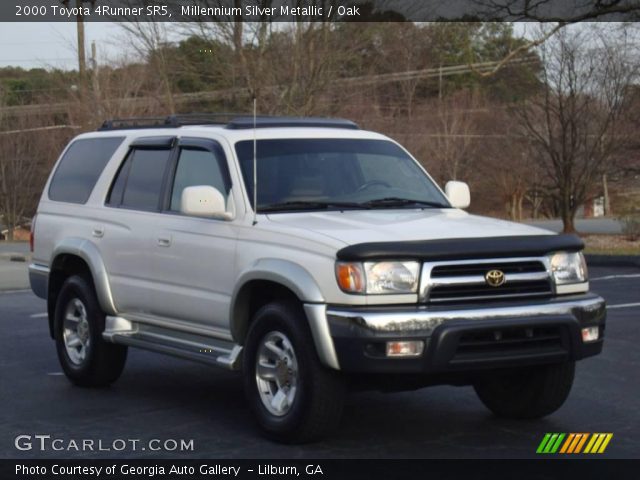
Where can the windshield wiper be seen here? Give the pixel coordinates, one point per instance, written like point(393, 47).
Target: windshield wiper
point(308, 205)
point(400, 202)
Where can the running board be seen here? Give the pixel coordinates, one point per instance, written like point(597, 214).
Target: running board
point(198, 348)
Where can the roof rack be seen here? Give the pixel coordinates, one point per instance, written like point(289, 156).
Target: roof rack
point(170, 121)
point(232, 121)
point(246, 122)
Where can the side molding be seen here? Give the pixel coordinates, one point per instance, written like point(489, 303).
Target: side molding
point(91, 255)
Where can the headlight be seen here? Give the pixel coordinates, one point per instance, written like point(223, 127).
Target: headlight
point(378, 277)
point(568, 268)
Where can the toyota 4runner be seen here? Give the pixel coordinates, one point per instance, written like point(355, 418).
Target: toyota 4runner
point(308, 254)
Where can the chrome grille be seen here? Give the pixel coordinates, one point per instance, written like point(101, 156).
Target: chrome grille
point(465, 280)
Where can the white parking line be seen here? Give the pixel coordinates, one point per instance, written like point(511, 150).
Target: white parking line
point(623, 305)
point(612, 277)
point(55, 374)
point(39, 315)
point(8, 292)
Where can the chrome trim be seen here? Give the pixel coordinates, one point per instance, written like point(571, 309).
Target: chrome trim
point(572, 288)
point(317, 317)
point(480, 280)
point(39, 279)
point(423, 319)
point(115, 325)
point(199, 348)
point(427, 283)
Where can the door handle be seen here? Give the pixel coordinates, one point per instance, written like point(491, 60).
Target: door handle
point(164, 242)
point(98, 232)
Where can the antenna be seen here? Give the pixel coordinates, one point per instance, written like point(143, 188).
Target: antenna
point(255, 163)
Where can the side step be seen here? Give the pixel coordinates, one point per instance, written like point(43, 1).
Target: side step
point(210, 351)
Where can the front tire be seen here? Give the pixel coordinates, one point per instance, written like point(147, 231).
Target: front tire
point(295, 399)
point(86, 359)
point(527, 393)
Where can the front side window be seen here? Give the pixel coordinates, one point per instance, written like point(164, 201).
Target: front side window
point(139, 181)
point(79, 169)
point(197, 167)
point(298, 174)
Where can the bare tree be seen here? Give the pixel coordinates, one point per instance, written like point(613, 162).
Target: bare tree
point(24, 164)
point(574, 126)
point(451, 136)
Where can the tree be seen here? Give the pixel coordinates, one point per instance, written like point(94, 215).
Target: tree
point(575, 126)
point(451, 137)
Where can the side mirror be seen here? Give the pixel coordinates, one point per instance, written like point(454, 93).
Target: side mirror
point(458, 194)
point(203, 201)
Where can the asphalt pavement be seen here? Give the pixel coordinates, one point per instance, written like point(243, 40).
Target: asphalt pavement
point(593, 226)
point(164, 398)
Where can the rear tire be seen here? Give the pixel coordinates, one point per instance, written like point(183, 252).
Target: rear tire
point(86, 359)
point(527, 393)
point(294, 398)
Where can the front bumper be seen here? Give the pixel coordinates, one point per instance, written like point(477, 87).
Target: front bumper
point(467, 337)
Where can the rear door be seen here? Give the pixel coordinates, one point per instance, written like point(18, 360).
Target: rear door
point(127, 235)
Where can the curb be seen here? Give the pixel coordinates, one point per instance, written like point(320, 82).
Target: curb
point(612, 260)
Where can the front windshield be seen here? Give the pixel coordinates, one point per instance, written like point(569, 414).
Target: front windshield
point(304, 174)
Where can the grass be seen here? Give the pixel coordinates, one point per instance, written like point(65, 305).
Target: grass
point(611, 245)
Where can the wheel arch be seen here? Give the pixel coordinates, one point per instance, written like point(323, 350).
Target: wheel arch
point(77, 256)
point(273, 279)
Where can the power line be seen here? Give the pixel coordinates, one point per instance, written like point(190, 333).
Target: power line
point(376, 79)
point(39, 129)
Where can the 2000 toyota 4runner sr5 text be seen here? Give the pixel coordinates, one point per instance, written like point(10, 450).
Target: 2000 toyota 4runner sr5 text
point(354, 269)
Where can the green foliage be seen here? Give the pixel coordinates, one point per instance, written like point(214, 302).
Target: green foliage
point(19, 86)
point(197, 64)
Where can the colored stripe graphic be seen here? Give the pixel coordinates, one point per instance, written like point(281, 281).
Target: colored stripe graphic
point(555, 447)
point(567, 443)
point(594, 437)
point(598, 443)
point(550, 443)
point(573, 443)
point(581, 442)
point(543, 443)
point(605, 443)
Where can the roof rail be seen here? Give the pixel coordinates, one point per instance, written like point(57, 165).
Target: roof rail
point(170, 121)
point(246, 122)
point(232, 121)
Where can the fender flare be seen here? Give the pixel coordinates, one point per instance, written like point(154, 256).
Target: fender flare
point(303, 285)
point(88, 252)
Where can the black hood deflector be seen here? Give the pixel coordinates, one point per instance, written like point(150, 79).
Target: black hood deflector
point(462, 248)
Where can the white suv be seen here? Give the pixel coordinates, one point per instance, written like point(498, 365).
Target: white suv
point(355, 270)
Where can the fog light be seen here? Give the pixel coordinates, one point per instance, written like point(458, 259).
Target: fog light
point(590, 334)
point(405, 349)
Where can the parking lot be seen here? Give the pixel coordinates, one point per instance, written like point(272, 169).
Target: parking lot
point(165, 398)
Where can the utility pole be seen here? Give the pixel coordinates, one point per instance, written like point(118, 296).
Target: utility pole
point(605, 194)
point(82, 58)
point(95, 81)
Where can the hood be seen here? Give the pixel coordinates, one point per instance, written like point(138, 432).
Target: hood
point(359, 226)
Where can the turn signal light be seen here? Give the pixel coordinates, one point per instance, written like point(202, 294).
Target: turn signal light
point(350, 277)
point(405, 349)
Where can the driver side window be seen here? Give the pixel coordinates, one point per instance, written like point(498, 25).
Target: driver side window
point(197, 167)
point(379, 168)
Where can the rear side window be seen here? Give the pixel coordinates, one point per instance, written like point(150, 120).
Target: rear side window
point(139, 181)
point(80, 168)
